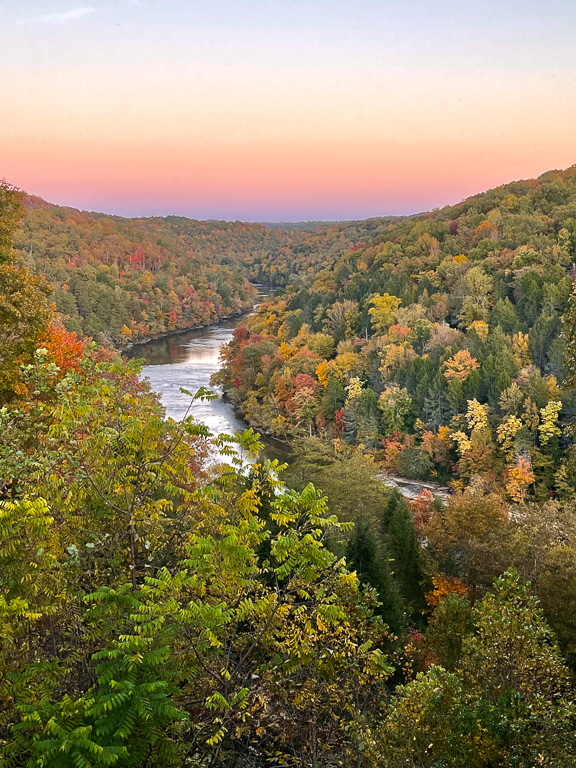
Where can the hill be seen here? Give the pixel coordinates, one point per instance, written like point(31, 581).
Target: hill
point(159, 609)
point(438, 347)
point(130, 279)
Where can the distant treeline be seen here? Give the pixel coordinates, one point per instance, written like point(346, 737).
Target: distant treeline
point(129, 279)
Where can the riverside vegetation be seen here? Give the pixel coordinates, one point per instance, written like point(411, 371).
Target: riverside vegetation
point(158, 608)
point(124, 280)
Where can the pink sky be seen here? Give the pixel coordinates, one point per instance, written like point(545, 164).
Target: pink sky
point(280, 117)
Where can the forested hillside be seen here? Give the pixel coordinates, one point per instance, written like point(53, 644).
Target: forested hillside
point(160, 608)
point(129, 279)
point(439, 347)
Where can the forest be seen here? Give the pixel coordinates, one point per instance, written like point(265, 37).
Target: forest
point(443, 348)
point(121, 281)
point(160, 606)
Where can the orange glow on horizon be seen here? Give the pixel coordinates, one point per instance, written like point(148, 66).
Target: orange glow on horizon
point(195, 179)
point(370, 112)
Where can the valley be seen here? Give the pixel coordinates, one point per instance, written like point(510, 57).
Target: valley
point(173, 596)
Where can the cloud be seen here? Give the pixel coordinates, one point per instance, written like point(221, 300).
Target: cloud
point(60, 17)
point(73, 13)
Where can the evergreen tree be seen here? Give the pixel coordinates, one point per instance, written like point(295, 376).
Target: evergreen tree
point(436, 405)
point(334, 397)
point(504, 315)
point(569, 336)
point(402, 544)
point(368, 557)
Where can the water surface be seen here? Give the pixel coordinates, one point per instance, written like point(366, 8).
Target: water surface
point(188, 360)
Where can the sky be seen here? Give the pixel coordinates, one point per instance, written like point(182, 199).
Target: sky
point(282, 110)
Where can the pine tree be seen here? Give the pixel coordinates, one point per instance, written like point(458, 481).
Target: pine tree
point(569, 336)
point(368, 557)
point(402, 543)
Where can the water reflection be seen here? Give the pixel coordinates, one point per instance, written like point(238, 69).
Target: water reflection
point(188, 360)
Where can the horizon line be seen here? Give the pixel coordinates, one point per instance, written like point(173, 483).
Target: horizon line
point(285, 222)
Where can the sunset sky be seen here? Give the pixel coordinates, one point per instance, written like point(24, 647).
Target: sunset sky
point(277, 110)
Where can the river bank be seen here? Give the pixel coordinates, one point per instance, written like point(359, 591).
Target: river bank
point(180, 331)
point(187, 359)
point(411, 489)
point(262, 292)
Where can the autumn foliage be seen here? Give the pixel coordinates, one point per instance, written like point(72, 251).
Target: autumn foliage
point(64, 347)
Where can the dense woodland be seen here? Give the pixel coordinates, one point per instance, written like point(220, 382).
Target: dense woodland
point(439, 347)
point(124, 280)
point(161, 608)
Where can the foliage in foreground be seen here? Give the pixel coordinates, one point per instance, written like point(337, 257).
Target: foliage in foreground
point(506, 702)
point(149, 613)
point(156, 610)
point(159, 609)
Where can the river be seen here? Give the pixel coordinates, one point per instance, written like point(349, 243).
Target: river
point(188, 360)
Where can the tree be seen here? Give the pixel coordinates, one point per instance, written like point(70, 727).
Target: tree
point(569, 336)
point(521, 348)
point(24, 311)
point(395, 404)
point(475, 289)
point(449, 625)
point(547, 557)
point(383, 312)
point(506, 434)
point(369, 558)
point(471, 537)
point(32, 590)
point(402, 543)
point(504, 316)
point(512, 647)
point(511, 400)
point(347, 477)
point(368, 418)
point(342, 319)
point(414, 463)
point(11, 214)
point(508, 703)
point(460, 366)
point(549, 428)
